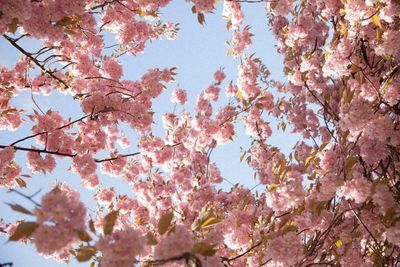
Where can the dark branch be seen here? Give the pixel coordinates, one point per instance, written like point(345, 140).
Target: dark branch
point(13, 42)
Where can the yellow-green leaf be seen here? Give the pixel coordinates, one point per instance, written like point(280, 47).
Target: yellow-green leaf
point(109, 222)
point(272, 187)
point(141, 13)
point(210, 221)
point(165, 222)
point(24, 230)
point(308, 160)
point(339, 243)
point(326, 55)
point(376, 21)
point(85, 253)
point(239, 94)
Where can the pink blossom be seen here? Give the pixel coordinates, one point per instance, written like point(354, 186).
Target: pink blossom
point(121, 248)
point(38, 164)
point(111, 68)
point(179, 96)
point(247, 80)
point(219, 76)
point(282, 246)
point(51, 240)
point(393, 234)
point(382, 198)
point(357, 189)
point(105, 196)
point(212, 93)
point(233, 13)
point(84, 165)
point(241, 41)
point(62, 207)
point(204, 5)
point(175, 244)
point(9, 171)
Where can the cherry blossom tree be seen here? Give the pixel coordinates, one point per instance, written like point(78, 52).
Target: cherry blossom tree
point(333, 201)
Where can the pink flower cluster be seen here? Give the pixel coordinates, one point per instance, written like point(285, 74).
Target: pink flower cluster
point(61, 217)
point(9, 171)
point(121, 248)
point(38, 164)
point(175, 244)
point(179, 96)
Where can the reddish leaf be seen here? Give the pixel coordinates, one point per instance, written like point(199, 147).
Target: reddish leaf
point(19, 208)
point(109, 222)
point(85, 253)
point(165, 222)
point(24, 230)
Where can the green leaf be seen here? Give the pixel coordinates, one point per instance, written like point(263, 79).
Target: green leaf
point(19, 208)
point(109, 222)
point(24, 230)
point(85, 253)
point(165, 222)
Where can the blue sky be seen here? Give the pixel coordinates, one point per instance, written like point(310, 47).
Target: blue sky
point(197, 53)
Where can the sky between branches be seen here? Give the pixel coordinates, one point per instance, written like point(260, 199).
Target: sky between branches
point(197, 53)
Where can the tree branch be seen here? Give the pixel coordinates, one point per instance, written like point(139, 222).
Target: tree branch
point(13, 42)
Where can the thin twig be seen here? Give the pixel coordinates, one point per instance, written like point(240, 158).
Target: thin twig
point(30, 198)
